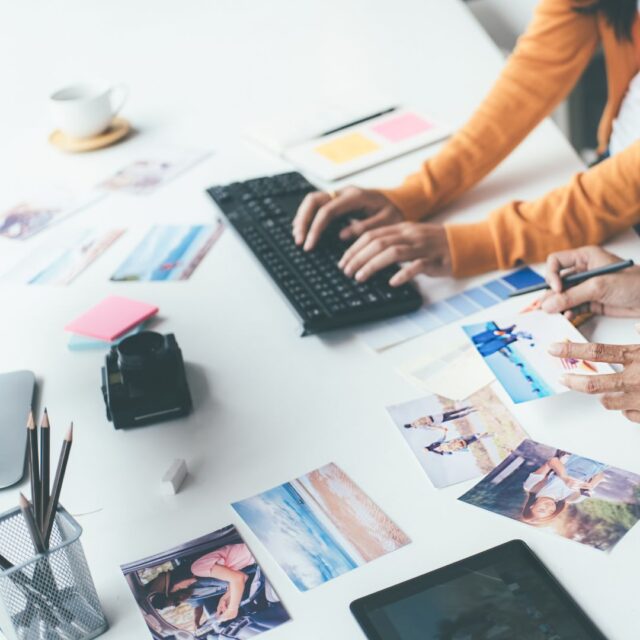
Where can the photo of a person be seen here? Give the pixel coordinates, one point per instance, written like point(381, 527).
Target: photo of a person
point(561, 480)
point(455, 445)
point(457, 440)
point(211, 587)
point(570, 495)
point(516, 351)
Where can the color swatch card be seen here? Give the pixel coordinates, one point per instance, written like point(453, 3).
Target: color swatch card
point(516, 351)
point(168, 252)
point(111, 318)
point(381, 335)
point(362, 145)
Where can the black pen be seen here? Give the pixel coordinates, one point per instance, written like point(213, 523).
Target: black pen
point(359, 121)
point(576, 278)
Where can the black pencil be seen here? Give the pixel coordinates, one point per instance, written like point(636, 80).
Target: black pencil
point(44, 467)
point(576, 278)
point(34, 467)
point(50, 516)
point(29, 518)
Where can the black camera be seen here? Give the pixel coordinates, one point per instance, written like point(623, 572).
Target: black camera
point(143, 380)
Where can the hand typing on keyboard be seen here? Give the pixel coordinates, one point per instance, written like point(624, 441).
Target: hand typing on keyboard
point(383, 239)
point(319, 209)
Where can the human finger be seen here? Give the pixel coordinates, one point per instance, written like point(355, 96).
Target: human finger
point(598, 352)
point(306, 211)
point(620, 401)
point(408, 272)
point(344, 202)
point(364, 240)
point(594, 384)
point(389, 256)
point(632, 415)
point(369, 251)
point(586, 292)
point(358, 227)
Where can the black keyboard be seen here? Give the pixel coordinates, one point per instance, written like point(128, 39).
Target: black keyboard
point(261, 211)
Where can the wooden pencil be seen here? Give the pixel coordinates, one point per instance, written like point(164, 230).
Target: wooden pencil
point(25, 507)
point(50, 516)
point(34, 467)
point(45, 461)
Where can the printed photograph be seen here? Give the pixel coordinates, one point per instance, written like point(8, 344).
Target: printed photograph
point(35, 214)
point(145, 175)
point(320, 526)
point(458, 440)
point(61, 261)
point(168, 252)
point(567, 494)
point(208, 588)
point(516, 351)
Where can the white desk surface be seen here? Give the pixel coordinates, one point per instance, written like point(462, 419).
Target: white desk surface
point(268, 405)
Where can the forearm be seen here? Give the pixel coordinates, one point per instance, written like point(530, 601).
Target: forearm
point(545, 65)
point(593, 206)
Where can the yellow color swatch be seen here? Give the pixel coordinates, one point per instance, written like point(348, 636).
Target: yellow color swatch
point(346, 148)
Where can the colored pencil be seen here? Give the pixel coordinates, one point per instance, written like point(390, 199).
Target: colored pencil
point(27, 513)
point(44, 467)
point(34, 466)
point(576, 278)
point(57, 486)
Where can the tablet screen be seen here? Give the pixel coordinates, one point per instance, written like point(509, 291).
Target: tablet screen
point(501, 594)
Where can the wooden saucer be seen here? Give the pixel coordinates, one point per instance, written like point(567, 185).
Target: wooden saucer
point(118, 130)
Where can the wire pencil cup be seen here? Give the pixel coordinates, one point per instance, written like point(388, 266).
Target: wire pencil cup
point(48, 596)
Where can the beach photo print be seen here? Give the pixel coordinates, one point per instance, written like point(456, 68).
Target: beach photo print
point(516, 351)
point(210, 588)
point(320, 526)
point(454, 440)
point(566, 494)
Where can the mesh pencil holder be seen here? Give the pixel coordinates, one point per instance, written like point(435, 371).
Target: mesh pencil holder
point(48, 596)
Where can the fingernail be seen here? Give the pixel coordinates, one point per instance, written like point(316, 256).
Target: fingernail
point(555, 349)
point(359, 276)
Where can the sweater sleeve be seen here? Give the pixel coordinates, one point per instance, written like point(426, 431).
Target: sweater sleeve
point(593, 206)
point(544, 66)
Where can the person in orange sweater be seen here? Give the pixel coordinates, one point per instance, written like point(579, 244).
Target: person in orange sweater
point(597, 203)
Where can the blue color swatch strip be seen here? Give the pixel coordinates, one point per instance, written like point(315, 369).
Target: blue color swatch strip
point(482, 297)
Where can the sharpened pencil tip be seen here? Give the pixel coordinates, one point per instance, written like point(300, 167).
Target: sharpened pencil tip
point(45, 420)
point(69, 436)
point(23, 502)
point(30, 422)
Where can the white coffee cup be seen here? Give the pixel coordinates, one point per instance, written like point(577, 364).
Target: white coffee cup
point(86, 109)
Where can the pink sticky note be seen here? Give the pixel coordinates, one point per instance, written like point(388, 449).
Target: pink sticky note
point(111, 318)
point(402, 127)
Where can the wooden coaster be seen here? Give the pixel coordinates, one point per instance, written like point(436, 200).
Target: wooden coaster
point(118, 130)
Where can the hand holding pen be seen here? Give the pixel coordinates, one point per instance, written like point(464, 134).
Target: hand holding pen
point(591, 280)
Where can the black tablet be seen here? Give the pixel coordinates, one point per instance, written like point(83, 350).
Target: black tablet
point(500, 594)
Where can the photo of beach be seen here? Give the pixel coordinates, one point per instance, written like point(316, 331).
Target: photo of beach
point(566, 494)
point(457, 440)
point(516, 351)
point(168, 252)
point(320, 526)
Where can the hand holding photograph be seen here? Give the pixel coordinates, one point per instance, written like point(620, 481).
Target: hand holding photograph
point(211, 587)
point(454, 440)
point(320, 526)
point(516, 350)
point(567, 494)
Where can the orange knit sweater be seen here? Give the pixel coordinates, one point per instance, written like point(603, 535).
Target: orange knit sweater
point(547, 62)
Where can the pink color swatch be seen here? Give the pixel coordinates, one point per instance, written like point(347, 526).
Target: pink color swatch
point(111, 318)
point(403, 126)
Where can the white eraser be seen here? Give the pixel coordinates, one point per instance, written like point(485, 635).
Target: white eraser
point(174, 477)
